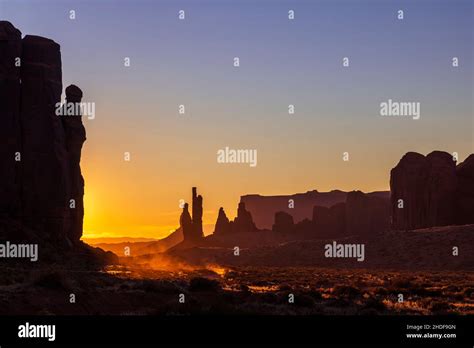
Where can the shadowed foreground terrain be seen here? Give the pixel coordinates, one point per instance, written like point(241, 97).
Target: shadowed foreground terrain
point(121, 290)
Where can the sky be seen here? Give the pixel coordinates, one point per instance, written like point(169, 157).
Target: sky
point(300, 62)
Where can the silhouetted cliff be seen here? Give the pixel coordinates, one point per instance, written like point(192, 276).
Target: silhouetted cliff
point(41, 186)
point(299, 206)
point(430, 190)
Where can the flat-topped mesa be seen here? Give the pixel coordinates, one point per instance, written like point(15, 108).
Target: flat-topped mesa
point(299, 205)
point(423, 191)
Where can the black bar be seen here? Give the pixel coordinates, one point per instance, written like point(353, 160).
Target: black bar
point(261, 330)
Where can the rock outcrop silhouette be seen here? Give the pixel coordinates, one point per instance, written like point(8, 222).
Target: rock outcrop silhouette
point(10, 52)
point(186, 223)
point(366, 216)
point(464, 206)
point(362, 215)
point(41, 187)
point(299, 205)
point(283, 222)
point(223, 225)
point(44, 157)
point(75, 138)
point(429, 191)
point(192, 226)
point(243, 221)
point(197, 215)
point(329, 222)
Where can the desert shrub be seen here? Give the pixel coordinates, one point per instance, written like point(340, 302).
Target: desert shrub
point(316, 295)
point(439, 307)
point(54, 279)
point(403, 283)
point(452, 288)
point(284, 287)
point(269, 297)
point(160, 286)
point(199, 284)
point(124, 286)
point(469, 292)
point(381, 291)
point(374, 303)
point(303, 300)
point(346, 291)
point(244, 288)
point(421, 291)
point(369, 311)
point(337, 302)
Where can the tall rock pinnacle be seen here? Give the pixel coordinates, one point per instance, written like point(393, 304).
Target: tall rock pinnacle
point(41, 186)
point(192, 226)
point(197, 215)
point(223, 226)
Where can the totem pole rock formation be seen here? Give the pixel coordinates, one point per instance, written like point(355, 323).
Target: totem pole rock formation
point(197, 215)
point(186, 223)
point(192, 226)
point(75, 138)
point(41, 183)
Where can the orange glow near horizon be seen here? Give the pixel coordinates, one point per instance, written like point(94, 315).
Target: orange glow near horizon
point(116, 206)
point(141, 198)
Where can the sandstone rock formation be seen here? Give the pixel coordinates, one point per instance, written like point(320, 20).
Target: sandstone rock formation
point(192, 226)
point(464, 206)
point(223, 226)
point(186, 223)
point(197, 215)
point(300, 205)
point(283, 223)
point(10, 52)
point(243, 222)
point(366, 216)
point(423, 191)
point(45, 158)
point(362, 215)
point(41, 186)
point(40, 156)
point(75, 137)
point(329, 222)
